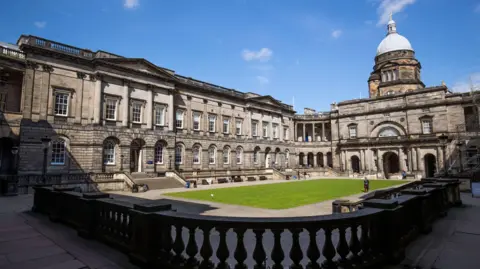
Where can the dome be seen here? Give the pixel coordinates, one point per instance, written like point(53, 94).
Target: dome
point(393, 41)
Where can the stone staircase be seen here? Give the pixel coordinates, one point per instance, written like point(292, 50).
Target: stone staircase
point(156, 183)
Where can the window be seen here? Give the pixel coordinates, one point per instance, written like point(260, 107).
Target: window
point(111, 109)
point(179, 119)
point(58, 152)
point(211, 123)
point(285, 133)
point(384, 77)
point(61, 104)
point(226, 125)
point(212, 152)
point(238, 155)
point(136, 113)
point(255, 156)
point(196, 121)
point(388, 132)
point(238, 127)
point(178, 154)
point(275, 131)
point(3, 101)
point(352, 131)
point(396, 74)
point(427, 126)
point(196, 154)
point(109, 153)
point(265, 129)
point(254, 128)
point(160, 115)
point(159, 153)
point(226, 155)
point(287, 155)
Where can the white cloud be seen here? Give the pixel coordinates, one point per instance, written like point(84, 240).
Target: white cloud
point(336, 33)
point(40, 24)
point(131, 4)
point(262, 55)
point(466, 85)
point(263, 80)
point(391, 6)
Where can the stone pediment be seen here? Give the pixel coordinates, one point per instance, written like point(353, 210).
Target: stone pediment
point(266, 100)
point(141, 65)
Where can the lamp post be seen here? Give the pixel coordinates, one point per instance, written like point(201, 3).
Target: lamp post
point(121, 162)
point(443, 141)
point(170, 162)
point(459, 146)
point(14, 153)
point(46, 145)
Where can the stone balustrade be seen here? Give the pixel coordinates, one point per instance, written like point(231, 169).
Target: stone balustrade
point(12, 53)
point(155, 236)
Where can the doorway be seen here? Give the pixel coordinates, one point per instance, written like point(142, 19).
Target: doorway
point(320, 160)
point(430, 163)
point(136, 150)
point(391, 164)
point(355, 164)
point(268, 158)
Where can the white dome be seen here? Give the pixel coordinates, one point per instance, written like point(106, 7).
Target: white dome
point(392, 42)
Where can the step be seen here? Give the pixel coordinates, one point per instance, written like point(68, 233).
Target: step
point(158, 183)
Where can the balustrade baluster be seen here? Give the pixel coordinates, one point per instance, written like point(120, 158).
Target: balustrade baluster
point(355, 246)
point(313, 253)
point(277, 251)
point(259, 254)
point(240, 253)
point(166, 240)
point(365, 241)
point(328, 250)
point(342, 246)
point(206, 251)
point(296, 254)
point(192, 248)
point(178, 246)
point(222, 250)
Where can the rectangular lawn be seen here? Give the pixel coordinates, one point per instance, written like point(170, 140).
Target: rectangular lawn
point(285, 195)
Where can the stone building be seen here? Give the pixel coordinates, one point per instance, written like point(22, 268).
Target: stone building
point(73, 110)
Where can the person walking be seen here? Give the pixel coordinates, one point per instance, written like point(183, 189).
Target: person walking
point(366, 185)
point(404, 174)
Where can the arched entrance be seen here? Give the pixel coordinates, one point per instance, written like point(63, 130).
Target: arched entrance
point(268, 158)
point(430, 164)
point(136, 156)
point(355, 164)
point(276, 158)
point(7, 158)
point(329, 160)
point(320, 160)
point(310, 159)
point(391, 164)
point(300, 159)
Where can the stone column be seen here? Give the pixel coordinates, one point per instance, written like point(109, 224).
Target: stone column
point(126, 103)
point(295, 135)
point(171, 111)
point(305, 162)
point(97, 100)
point(379, 162)
point(323, 132)
point(362, 160)
point(325, 160)
point(414, 159)
point(401, 159)
point(419, 160)
point(314, 160)
point(313, 132)
point(440, 158)
point(303, 135)
point(148, 113)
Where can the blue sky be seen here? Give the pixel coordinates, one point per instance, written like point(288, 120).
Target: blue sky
point(316, 51)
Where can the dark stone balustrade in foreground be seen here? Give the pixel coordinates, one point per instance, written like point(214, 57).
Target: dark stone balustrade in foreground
point(155, 236)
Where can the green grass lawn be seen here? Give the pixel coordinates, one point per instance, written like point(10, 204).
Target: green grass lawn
point(285, 195)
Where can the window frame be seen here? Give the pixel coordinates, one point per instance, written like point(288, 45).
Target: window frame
point(254, 128)
point(196, 149)
point(115, 112)
point(429, 122)
point(55, 142)
point(177, 120)
point(111, 143)
point(275, 131)
point(140, 112)
point(239, 155)
point(199, 123)
point(226, 153)
point(210, 151)
point(68, 95)
point(226, 123)
point(285, 133)
point(238, 126)
point(212, 119)
point(354, 128)
point(255, 156)
point(163, 108)
point(178, 160)
point(265, 129)
point(158, 157)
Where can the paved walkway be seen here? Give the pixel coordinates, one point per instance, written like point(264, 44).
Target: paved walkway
point(30, 240)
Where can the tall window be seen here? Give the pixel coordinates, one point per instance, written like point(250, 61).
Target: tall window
point(238, 127)
point(212, 152)
point(109, 153)
point(287, 155)
point(265, 129)
point(178, 154)
point(255, 156)
point(254, 128)
point(285, 133)
point(159, 153)
point(58, 151)
point(179, 119)
point(352, 130)
point(226, 125)
point(61, 104)
point(211, 123)
point(196, 121)
point(427, 126)
point(196, 154)
point(160, 115)
point(111, 109)
point(226, 155)
point(275, 131)
point(137, 112)
point(239, 155)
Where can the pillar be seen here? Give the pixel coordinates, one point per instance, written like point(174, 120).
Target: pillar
point(313, 133)
point(362, 160)
point(97, 100)
point(419, 159)
point(325, 160)
point(295, 132)
point(171, 112)
point(401, 159)
point(314, 160)
point(305, 162)
point(149, 109)
point(414, 159)
point(303, 135)
point(323, 132)
point(126, 104)
point(379, 162)
point(439, 158)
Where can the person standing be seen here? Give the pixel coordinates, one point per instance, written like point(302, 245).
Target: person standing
point(366, 185)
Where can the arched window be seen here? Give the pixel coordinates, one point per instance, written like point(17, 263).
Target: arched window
point(239, 155)
point(226, 155)
point(109, 153)
point(178, 154)
point(159, 153)
point(287, 155)
point(389, 75)
point(388, 132)
point(58, 152)
point(212, 154)
point(255, 155)
point(196, 154)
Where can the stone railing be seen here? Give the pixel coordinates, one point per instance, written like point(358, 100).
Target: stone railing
point(48, 44)
point(155, 236)
point(12, 53)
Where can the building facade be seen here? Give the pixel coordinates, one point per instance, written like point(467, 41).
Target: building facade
point(72, 110)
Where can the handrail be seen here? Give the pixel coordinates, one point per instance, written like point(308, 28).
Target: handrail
point(12, 53)
point(129, 180)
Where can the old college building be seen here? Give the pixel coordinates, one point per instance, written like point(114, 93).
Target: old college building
point(95, 111)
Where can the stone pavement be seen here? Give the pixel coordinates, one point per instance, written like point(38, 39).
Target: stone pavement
point(454, 242)
point(29, 240)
